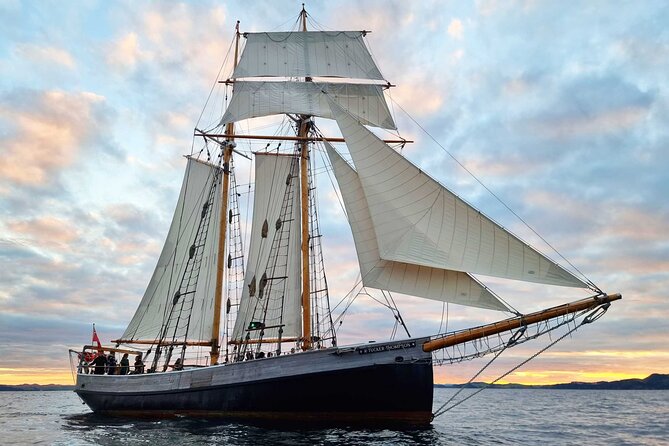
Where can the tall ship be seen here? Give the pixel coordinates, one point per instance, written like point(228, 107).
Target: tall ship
point(237, 331)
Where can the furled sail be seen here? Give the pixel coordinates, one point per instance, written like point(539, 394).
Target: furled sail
point(149, 318)
point(415, 280)
point(271, 295)
point(419, 221)
point(302, 54)
point(255, 99)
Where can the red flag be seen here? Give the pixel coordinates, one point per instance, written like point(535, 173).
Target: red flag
point(96, 339)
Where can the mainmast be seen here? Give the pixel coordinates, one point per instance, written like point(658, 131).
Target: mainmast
point(227, 147)
point(304, 127)
point(299, 57)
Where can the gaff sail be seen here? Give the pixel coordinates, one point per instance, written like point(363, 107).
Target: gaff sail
point(153, 310)
point(272, 293)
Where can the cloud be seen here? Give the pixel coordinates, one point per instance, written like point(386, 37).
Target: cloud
point(44, 231)
point(610, 121)
point(47, 131)
point(124, 54)
point(455, 29)
point(159, 44)
point(418, 94)
point(45, 55)
point(129, 218)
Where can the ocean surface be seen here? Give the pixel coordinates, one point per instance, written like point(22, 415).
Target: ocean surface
point(493, 417)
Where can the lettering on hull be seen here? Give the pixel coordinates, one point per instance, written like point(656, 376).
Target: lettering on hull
point(385, 347)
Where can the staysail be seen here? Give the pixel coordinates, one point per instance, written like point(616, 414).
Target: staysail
point(153, 310)
point(271, 295)
point(307, 54)
point(256, 99)
point(419, 221)
point(415, 280)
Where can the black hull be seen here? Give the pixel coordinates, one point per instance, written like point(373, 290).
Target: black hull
point(371, 393)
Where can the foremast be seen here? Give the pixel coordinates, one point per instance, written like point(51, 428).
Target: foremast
point(227, 147)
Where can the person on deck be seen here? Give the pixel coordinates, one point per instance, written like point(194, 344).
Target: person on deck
point(99, 364)
point(85, 361)
point(125, 365)
point(178, 365)
point(139, 365)
point(111, 364)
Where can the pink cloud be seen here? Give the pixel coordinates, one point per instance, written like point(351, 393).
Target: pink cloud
point(124, 53)
point(47, 55)
point(45, 230)
point(418, 95)
point(569, 205)
point(637, 224)
point(455, 29)
point(178, 34)
point(47, 136)
point(488, 167)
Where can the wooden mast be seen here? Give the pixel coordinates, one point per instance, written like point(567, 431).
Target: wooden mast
point(517, 322)
point(223, 226)
point(304, 181)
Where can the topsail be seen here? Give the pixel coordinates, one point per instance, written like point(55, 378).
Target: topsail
point(307, 54)
point(256, 99)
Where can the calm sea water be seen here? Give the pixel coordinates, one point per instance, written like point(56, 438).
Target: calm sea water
point(494, 417)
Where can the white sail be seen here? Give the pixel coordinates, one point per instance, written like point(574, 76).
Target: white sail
point(254, 99)
point(419, 221)
point(302, 54)
point(415, 280)
point(149, 318)
point(281, 293)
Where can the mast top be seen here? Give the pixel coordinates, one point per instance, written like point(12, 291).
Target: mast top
point(303, 16)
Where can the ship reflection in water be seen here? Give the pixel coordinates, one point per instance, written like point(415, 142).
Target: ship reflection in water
point(536, 416)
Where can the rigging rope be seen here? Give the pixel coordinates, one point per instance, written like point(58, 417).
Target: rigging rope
point(213, 87)
point(444, 306)
point(593, 316)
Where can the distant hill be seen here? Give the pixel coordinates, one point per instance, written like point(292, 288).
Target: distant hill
point(655, 381)
point(7, 387)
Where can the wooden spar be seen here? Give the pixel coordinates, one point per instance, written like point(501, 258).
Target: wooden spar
point(292, 138)
point(517, 322)
point(304, 199)
point(153, 342)
point(223, 228)
point(304, 181)
point(110, 349)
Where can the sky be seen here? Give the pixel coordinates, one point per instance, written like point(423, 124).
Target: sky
point(560, 109)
